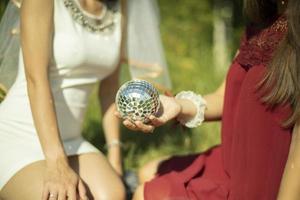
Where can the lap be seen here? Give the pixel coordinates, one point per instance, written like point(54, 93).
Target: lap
point(93, 168)
point(189, 177)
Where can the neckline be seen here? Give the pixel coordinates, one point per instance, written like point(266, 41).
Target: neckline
point(90, 15)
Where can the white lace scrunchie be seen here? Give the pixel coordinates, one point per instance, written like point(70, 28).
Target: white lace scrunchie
point(199, 102)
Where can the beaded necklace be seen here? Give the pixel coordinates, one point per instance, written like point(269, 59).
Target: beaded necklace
point(95, 24)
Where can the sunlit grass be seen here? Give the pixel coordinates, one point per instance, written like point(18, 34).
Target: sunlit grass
point(186, 29)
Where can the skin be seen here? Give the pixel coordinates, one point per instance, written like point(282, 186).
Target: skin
point(76, 177)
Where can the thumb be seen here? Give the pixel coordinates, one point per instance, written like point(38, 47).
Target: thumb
point(168, 93)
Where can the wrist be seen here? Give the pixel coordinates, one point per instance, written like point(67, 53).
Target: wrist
point(114, 144)
point(186, 109)
point(58, 156)
point(193, 107)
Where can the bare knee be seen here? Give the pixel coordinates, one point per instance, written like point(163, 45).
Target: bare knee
point(143, 174)
point(148, 171)
point(102, 182)
point(109, 192)
point(139, 193)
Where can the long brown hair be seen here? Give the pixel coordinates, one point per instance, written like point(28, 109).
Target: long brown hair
point(281, 83)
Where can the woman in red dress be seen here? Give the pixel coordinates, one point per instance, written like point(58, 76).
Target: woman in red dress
point(259, 106)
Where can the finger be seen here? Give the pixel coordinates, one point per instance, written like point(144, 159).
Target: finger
point(156, 121)
point(144, 127)
point(130, 125)
point(117, 114)
point(72, 193)
point(169, 94)
point(52, 194)
point(62, 195)
point(82, 190)
point(45, 194)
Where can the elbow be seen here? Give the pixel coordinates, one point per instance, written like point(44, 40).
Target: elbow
point(35, 80)
point(31, 80)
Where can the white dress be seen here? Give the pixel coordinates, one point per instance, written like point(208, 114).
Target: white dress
point(80, 60)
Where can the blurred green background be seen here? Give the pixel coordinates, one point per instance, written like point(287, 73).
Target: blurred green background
point(200, 39)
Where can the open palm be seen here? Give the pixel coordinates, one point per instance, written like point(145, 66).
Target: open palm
point(168, 110)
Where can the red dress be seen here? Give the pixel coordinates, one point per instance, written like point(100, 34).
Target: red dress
point(249, 163)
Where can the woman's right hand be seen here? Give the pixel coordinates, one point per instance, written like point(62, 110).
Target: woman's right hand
point(61, 182)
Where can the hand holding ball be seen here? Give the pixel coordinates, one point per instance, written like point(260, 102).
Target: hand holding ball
point(136, 100)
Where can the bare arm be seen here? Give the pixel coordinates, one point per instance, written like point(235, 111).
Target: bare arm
point(290, 183)
point(36, 37)
point(183, 109)
point(214, 105)
point(107, 92)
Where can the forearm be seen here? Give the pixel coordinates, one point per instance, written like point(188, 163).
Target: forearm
point(111, 124)
point(111, 128)
point(44, 116)
point(213, 110)
point(214, 107)
point(107, 93)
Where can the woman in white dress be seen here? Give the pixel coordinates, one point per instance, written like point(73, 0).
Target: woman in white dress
point(67, 47)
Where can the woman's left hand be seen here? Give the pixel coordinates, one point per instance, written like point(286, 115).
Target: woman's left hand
point(169, 110)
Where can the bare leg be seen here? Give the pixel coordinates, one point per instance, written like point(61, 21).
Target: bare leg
point(148, 171)
point(139, 193)
point(28, 183)
point(99, 176)
point(101, 181)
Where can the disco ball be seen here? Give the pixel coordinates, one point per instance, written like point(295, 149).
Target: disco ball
point(136, 100)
